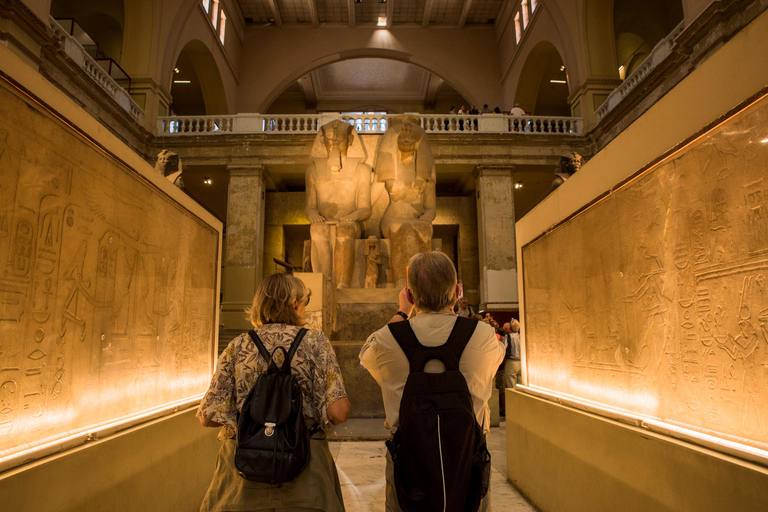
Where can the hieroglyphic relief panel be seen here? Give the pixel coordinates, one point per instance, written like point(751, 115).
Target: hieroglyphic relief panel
point(655, 299)
point(107, 287)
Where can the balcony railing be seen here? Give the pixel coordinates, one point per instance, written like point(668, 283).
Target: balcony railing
point(660, 52)
point(99, 75)
point(366, 124)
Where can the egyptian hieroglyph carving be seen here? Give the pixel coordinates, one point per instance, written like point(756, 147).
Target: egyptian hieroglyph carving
point(107, 287)
point(404, 163)
point(338, 195)
point(655, 299)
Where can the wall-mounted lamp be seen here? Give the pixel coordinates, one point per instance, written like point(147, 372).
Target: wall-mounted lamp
point(176, 70)
point(182, 81)
point(557, 81)
point(207, 181)
point(518, 185)
point(382, 21)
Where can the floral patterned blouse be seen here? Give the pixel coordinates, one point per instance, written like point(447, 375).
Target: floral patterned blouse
point(240, 365)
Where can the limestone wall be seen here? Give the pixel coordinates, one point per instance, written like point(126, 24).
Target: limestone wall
point(108, 280)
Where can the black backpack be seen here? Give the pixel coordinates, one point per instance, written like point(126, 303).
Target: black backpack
point(441, 461)
point(272, 437)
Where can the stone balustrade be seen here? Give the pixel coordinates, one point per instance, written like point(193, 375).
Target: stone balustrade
point(660, 52)
point(366, 124)
point(77, 53)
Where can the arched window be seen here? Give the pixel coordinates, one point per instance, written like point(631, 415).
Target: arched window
point(526, 12)
point(223, 26)
point(518, 28)
point(215, 14)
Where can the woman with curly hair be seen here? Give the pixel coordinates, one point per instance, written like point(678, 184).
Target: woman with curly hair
point(277, 314)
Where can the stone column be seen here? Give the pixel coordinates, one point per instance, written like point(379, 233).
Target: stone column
point(244, 242)
point(496, 237)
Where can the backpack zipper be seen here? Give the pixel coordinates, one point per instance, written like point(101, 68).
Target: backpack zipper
point(442, 470)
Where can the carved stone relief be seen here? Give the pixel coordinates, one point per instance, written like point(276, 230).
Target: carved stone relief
point(655, 299)
point(107, 287)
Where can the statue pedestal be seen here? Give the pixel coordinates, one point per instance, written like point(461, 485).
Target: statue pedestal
point(358, 313)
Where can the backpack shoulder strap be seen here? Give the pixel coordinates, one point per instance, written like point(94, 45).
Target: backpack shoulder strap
point(460, 335)
point(259, 345)
point(294, 346)
point(406, 338)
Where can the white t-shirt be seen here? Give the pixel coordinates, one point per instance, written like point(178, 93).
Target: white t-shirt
point(387, 363)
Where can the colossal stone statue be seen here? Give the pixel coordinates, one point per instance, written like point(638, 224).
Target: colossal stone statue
point(405, 164)
point(338, 188)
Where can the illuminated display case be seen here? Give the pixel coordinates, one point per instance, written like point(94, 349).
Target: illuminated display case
point(654, 299)
point(108, 288)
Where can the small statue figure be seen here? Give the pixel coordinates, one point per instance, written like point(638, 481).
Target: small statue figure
point(338, 192)
point(373, 258)
point(169, 165)
point(407, 168)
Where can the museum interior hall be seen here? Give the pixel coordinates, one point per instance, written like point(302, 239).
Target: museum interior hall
point(595, 169)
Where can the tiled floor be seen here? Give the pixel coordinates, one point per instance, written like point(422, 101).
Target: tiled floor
point(361, 470)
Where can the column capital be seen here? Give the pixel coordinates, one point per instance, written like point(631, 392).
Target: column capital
point(247, 170)
point(484, 171)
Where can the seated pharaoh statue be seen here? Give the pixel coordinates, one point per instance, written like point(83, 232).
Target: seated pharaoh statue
point(338, 195)
point(404, 163)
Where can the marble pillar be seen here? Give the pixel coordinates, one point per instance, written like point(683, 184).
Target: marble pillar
point(496, 230)
point(244, 242)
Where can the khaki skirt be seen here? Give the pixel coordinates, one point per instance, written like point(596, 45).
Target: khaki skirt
point(316, 488)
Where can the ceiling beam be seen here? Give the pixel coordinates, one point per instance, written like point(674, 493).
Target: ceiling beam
point(427, 14)
point(276, 13)
point(351, 12)
point(390, 12)
point(464, 13)
point(313, 13)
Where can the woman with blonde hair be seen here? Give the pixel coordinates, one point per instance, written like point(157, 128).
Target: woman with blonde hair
point(277, 314)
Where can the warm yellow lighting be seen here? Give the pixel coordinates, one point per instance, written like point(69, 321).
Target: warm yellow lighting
point(558, 81)
point(58, 444)
point(382, 21)
point(519, 185)
point(764, 141)
point(176, 70)
point(652, 424)
point(208, 181)
point(621, 68)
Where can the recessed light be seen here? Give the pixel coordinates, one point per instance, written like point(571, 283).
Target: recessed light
point(382, 21)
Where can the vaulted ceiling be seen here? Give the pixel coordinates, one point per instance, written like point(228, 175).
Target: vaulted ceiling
point(362, 12)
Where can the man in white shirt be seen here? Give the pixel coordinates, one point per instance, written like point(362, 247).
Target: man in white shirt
point(517, 111)
point(431, 294)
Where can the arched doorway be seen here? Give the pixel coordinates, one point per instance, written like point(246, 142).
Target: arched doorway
point(197, 88)
point(368, 84)
point(543, 86)
point(639, 26)
point(103, 21)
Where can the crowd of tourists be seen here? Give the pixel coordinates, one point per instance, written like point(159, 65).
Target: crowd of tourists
point(278, 391)
point(473, 111)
